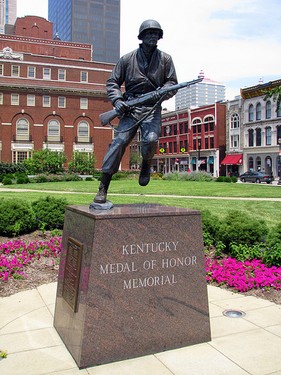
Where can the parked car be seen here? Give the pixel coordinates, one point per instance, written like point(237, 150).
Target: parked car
point(258, 177)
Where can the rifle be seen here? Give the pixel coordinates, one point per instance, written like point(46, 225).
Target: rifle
point(108, 116)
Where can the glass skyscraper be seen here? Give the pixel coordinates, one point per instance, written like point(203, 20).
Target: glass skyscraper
point(8, 13)
point(96, 22)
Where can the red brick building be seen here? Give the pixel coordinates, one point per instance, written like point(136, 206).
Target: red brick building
point(51, 95)
point(192, 139)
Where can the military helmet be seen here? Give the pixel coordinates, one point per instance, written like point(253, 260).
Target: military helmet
point(150, 24)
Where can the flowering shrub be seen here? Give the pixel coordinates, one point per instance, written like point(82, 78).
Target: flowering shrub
point(14, 255)
point(243, 276)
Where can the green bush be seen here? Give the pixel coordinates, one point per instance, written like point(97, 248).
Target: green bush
point(244, 252)
point(272, 255)
point(22, 178)
point(226, 179)
point(49, 212)
point(7, 181)
point(234, 179)
point(240, 228)
point(274, 236)
point(17, 217)
point(82, 163)
point(210, 226)
point(185, 176)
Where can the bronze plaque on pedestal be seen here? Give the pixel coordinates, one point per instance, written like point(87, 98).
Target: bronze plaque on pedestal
point(72, 273)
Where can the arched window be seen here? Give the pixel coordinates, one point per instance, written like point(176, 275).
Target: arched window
point(258, 112)
point(22, 129)
point(196, 125)
point(251, 112)
point(83, 131)
point(234, 121)
point(209, 123)
point(258, 137)
point(268, 135)
point(53, 130)
point(268, 109)
point(251, 138)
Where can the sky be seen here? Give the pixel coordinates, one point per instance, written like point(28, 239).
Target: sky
point(237, 43)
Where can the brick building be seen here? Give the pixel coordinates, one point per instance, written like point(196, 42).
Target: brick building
point(192, 139)
point(51, 95)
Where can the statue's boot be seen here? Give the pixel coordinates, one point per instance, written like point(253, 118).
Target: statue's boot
point(102, 192)
point(145, 173)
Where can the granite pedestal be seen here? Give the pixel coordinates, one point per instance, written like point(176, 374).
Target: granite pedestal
point(131, 282)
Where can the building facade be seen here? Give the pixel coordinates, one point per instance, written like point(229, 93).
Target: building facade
point(203, 93)
point(8, 13)
point(261, 129)
point(96, 22)
point(192, 140)
point(51, 95)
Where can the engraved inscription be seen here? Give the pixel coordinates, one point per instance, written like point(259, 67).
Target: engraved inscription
point(72, 273)
point(167, 261)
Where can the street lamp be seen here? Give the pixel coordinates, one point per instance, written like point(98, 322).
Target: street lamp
point(279, 164)
point(198, 156)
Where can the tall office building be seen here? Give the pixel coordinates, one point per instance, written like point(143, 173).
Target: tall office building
point(96, 22)
point(8, 13)
point(202, 93)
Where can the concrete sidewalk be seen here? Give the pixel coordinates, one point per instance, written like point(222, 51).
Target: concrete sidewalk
point(247, 345)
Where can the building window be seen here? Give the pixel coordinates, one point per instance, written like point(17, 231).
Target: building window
point(53, 130)
point(258, 163)
point(234, 141)
point(15, 71)
point(268, 136)
point(22, 129)
point(15, 99)
point(61, 74)
point(46, 101)
point(268, 109)
point(251, 163)
point(258, 112)
point(61, 102)
point(278, 133)
point(1, 69)
point(279, 110)
point(251, 112)
point(1, 98)
point(83, 103)
point(212, 142)
point(31, 100)
point(251, 138)
point(20, 156)
point(206, 143)
point(84, 76)
point(46, 73)
point(234, 121)
point(258, 137)
point(83, 131)
point(31, 72)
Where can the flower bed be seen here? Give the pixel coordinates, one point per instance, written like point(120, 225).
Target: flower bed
point(242, 276)
point(15, 255)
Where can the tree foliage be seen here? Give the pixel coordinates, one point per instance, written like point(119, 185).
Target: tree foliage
point(275, 94)
point(82, 163)
point(45, 161)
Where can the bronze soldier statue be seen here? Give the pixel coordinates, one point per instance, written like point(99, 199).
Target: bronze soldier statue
point(142, 71)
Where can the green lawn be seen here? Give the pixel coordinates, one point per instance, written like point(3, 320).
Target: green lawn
point(190, 188)
point(267, 210)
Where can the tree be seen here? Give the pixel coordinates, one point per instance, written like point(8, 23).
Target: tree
point(82, 163)
point(274, 93)
point(45, 161)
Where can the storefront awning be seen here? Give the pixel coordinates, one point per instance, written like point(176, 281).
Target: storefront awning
point(235, 159)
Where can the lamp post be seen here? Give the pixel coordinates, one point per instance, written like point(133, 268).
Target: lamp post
point(279, 163)
point(198, 156)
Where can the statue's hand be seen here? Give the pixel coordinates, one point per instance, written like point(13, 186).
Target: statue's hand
point(121, 106)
